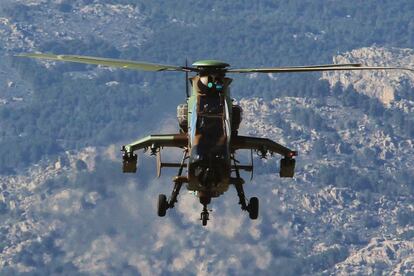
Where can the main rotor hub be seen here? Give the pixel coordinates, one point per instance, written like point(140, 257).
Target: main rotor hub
point(211, 64)
point(207, 67)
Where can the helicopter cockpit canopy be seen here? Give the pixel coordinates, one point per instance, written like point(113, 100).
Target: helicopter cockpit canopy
point(208, 130)
point(211, 106)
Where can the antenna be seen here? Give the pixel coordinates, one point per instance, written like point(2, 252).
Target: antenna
point(187, 92)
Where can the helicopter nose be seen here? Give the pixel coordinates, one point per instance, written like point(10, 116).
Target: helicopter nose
point(208, 170)
point(208, 166)
point(207, 174)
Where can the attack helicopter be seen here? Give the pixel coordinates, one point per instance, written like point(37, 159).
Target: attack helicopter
point(208, 135)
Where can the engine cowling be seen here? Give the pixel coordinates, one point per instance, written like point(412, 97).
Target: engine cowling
point(182, 117)
point(236, 117)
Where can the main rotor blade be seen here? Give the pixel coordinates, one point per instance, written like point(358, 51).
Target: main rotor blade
point(247, 70)
point(316, 68)
point(325, 65)
point(109, 62)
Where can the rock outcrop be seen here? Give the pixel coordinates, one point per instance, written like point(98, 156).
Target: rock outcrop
point(379, 84)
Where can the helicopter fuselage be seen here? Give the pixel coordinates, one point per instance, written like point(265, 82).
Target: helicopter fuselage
point(209, 121)
point(209, 131)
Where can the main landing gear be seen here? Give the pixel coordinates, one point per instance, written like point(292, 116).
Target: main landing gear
point(253, 206)
point(163, 203)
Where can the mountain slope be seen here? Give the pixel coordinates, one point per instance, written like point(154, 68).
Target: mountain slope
point(93, 219)
point(66, 208)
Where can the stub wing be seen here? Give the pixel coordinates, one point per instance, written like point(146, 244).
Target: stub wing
point(152, 142)
point(262, 145)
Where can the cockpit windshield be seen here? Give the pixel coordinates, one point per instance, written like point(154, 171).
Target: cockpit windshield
point(209, 129)
point(209, 105)
point(210, 126)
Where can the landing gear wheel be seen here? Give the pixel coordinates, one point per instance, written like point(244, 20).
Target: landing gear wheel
point(162, 205)
point(253, 208)
point(204, 218)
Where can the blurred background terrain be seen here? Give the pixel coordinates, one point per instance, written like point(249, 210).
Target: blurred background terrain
point(65, 206)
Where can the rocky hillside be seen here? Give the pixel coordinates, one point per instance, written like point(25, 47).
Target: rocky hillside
point(348, 211)
point(27, 26)
point(379, 84)
point(80, 215)
point(39, 22)
point(357, 234)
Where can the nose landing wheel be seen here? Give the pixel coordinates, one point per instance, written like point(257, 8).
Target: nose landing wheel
point(204, 217)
